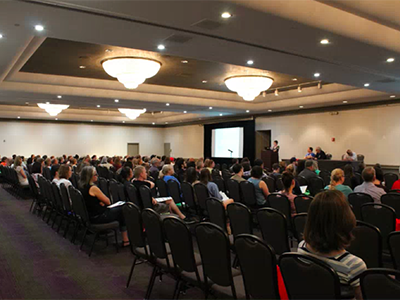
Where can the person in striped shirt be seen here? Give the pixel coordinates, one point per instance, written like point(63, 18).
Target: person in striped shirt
point(327, 234)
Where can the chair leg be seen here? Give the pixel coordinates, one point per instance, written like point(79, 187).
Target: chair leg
point(44, 213)
point(176, 290)
point(151, 283)
point(83, 239)
point(66, 228)
point(59, 225)
point(131, 272)
point(33, 202)
point(94, 241)
point(116, 240)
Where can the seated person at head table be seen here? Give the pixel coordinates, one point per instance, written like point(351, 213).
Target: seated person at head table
point(309, 170)
point(337, 180)
point(310, 154)
point(350, 156)
point(320, 153)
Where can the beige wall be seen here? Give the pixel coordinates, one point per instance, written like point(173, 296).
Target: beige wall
point(374, 132)
point(186, 141)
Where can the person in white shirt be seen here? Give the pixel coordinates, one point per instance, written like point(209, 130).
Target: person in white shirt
point(23, 180)
point(63, 174)
point(350, 155)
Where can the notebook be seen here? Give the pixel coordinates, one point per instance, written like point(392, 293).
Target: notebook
point(119, 203)
point(303, 189)
point(163, 199)
point(224, 196)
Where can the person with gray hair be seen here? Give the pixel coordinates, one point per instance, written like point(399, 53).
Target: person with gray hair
point(350, 155)
point(309, 171)
point(368, 186)
point(320, 153)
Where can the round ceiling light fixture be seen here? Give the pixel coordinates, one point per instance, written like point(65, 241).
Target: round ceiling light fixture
point(131, 71)
point(132, 113)
point(249, 86)
point(53, 109)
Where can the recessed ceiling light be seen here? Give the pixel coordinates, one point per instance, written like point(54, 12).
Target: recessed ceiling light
point(316, 74)
point(184, 61)
point(247, 111)
point(47, 102)
point(161, 47)
point(154, 123)
point(56, 119)
point(226, 15)
point(39, 28)
point(366, 84)
point(344, 101)
point(299, 89)
point(18, 117)
point(220, 115)
point(59, 96)
point(393, 96)
point(184, 111)
point(116, 100)
point(204, 81)
point(82, 67)
point(390, 59)
point(301, 106)
point(26, 103)
point(1, 36)
point(294, 79)
point(98, 105)
point(108, 50)
point(166, 122)
point(91, 120)
point(276, 92)
point(250, 62)
point(324, 41)
point(210, 107)
point(269, 110)
point(123, 121)
point(167, 104)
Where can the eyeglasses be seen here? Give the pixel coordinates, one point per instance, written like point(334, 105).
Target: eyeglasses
point(95, 174)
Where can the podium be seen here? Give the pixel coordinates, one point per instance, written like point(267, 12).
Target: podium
point(269, 158)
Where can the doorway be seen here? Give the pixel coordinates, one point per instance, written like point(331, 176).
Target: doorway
point(263, 139)
point(167, 149)
point(133, 149)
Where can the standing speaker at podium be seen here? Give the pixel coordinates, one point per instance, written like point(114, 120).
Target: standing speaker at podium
point(270, 156)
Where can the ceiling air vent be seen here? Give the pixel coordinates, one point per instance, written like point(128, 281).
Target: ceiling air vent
point(386, 80)
point(178, 39)
point(207, 24)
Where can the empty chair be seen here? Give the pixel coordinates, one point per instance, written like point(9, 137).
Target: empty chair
point(392, 199)
point(226, 174)
point(248, 194)
point(113, 188)
point(270, 181)
point(302, 203)
point(315, 185)
point(356, 200)
point(67, 207)
point(162, 188)
point(301, 180)
point(367, 244)
point(326, 176)
point(146, 197)
point(273, 227)
point(281, 202)
point(221, 183)
point(47, 173)
point(216, 212)
point(233, 190)
point(279, 184)
point(380, 284)
point(174, 190)
point(202, 195)
point(307, 277)
point(103, 186)
point(74, 180)
point(381, 216)
point(215, 254)
point(299, 224)
point(240, 219)
point(188, 196)
point(258, 266)
point(389, 179)
point(394, 246)
point(132, 194)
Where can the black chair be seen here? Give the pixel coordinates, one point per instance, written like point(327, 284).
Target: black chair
point(58, 205)
point(367, 244)
point(113, 188)
point(315, 185)
point(162, 188)
point(221, 183)
point(356, 200)
point(132, 194)
point(380, 284)
point(359, 178)
point(301, 180)
point(226, 174)
point(216, 212)
point(37, 200)
point(279, 184)
point(273, 227)
point(381, 216)
point(233, 190)
point(299, 224)
point(202, 194)
point(146, 197)
point(392, 199)
point(103, 186)
point(302, 203)
point(174, 190)
point(307, 277)
point(326, 176)
point(281, 203)
point(75, 179)
point(46, 173)
point(394, 246)
point(189, 198)
point(389, 179)
point(215, 254)
point(248, 194)
point(137, 238)
point(270, 182)
point(66, 201)
point(258, 265)
point(240, 219)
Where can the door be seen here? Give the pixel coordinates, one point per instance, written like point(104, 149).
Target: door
point(167, 149)
point(133, 149)
point(263, 139)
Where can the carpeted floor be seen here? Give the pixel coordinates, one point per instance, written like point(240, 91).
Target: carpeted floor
point(38, 263)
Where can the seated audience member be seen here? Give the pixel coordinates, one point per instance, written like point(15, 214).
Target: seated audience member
point(199, 165)
point(288, 185)
point(106, 162)
point(275, 171)
point(282, 166)
point(349, 176)
point(37, 169)
point(205, 178)
point(234, 162)
point(47, 163)
point(301, 164)
point(191, 163)
point(361, 167)
point(209, 164)
point(179, 169)
point(22, 178)
point(154, 169)
point(320, 153)
point(327, 234)
point(30, 159)
point(259, 162)
point(81, 165)
point(379, 178)
point(117, 163)
point(310, 154)
point(4, 161)
point(309, 171)
point(54, 167)
point(246, 169)
point(168, 174)
point(396, 184)
point(260, 186)
point(368, 185)
point(350, 156)
point(293, 161)
point(94, 161)
point(97, 202)
point(275, 146)
point(54, 170)
point(296, 189)
point(337, 180)
point(167, 161)
point(163, 207)
point(238, 170)
point(63, 175)
point(191, 176)
point(126, 175)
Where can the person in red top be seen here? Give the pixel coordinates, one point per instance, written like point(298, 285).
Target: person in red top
point(4, 161)
point(396, 185)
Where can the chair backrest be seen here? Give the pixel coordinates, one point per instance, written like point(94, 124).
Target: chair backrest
point(315, 185)
point(273, 227)
point(258, 265)
point(221, 183)
point(174, 190)
point(233, 190)
point(215, 253)
point(113, 188)
point(393, 200)
point(248, 193)
point(78, 204)
point(103, 186)
point(57, 197)
point(132, 194)
point(326, 176)
point(281, 202)
point(279, 184)
point(188, 195)
point(162, 188)
point(215, 174)
point(270, 181)
point(32, 186)
point(302, 203)
point(359, 177)
point(381, 216)
point(202, 195)
point(146, 197)
point(389, 179)
point(216, 212)
point(134, 225)
point(356, 200)
point(180, 241)
point(301, 180)
point(307, 277)
point(75, 179)
point(367, 244)
point(226, 174)
point(380, 284)
point(240, 219)
point(46, 173)
point(154, 232)
point(394, 246)
point(299, 224)
point(65, 197)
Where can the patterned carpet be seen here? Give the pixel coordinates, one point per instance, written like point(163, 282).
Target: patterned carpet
point(38, 263)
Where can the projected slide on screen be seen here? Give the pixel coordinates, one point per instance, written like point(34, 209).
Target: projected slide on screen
point(227, 142)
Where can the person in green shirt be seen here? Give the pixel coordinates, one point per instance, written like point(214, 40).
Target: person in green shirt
point(337, 179)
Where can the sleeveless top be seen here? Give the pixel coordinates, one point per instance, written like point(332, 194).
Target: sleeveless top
point(92, 203)
point(259, 193)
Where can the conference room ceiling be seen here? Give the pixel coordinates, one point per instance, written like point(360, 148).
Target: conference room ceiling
point(282, 38)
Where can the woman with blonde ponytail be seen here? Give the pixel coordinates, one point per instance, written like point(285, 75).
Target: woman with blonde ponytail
point(337, 179)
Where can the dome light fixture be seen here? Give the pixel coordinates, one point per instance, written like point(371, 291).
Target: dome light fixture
point(248, 86)
point(132, 113)
point(131, 71)
point(53, 109)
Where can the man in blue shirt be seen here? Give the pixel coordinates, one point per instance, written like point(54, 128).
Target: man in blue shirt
point(310, 154)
